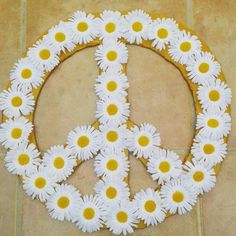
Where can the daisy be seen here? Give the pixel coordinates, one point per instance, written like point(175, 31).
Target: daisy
point(112, 190)
point(120, 218)
point(43, 56)
point(59, 37)
point(40, 184)
point(90, 215)
point(112, 110)
point(110, 25)
point(143, 140)
point(209, 150)
point(59, 161)
point(83, 27)
point(164, 165)
point(111, 163)
point(83, 142)
point(215, 94)
point(162, 31)
point(111, 54)
point(111, 84)
point(15, 131)
point(200, 176)
point(178, 196)
point(136, 26)
point(149, 207)
point(203, 67)
point(25, 74)
point(23, 160)
point(112, 136)
point(214, 123)
point(63, 204)
point(15, 101)
point(184, 47)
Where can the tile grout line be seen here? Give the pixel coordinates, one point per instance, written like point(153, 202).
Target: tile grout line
point(18, 194)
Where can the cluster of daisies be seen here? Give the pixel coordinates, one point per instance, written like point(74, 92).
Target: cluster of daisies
point(109, 145)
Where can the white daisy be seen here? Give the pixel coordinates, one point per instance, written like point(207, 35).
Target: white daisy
point(111, 84)
point(164, 165)
point(110, 163)
point(59, 161)
point(162, 31)
point(120, 218)
point(112, 190)
point(15, 131)
point(112, 110)
point(200, 176)
point(23, 160)
point(178, 196)
point(111, 54)
point(136, 26)
point(63, 204)
point(90, 215)
point(215, 94)
point(83, 27)
point(83, 142)
point(15, 101)
point(184, 47)
point(143, 140)
point(112, 136)
point(110, 24)
point(43, 56)
point(209, 150)
point(202, 68)
point(214, 123)
point(40, 184)
point(149, 207)
point(59, 37)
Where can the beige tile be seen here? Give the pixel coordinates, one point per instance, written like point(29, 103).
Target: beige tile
point(219, 206)
point(214, 23)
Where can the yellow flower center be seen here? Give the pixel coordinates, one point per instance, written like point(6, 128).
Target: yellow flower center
point(164, 166)
point(198, 176)
point(143, 141)
point(83, 141)
point(178, 196)
point(60, 37)
point(111, 86)
point(40, 182)
point(185, 46)
point(122, 217)
point(59, 163)
point(111, 192)
point(112, 109)
point(44, 54)
point(214, 95)
point(162, 33)
point(82, 26)
point(213, 123)
point(137, 26)
point(16, 133)
point(112, 165)
point(16, 101)
point(110, 27)
point(26, 73)
point(112, 55)
point(112, 136)
point(89, 213)
point(63, 202)
point(204, 67)
point(150, 206)
point(23, 159)
point(208, 149)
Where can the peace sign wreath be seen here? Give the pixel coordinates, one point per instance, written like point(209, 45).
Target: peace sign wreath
point(113, 136)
